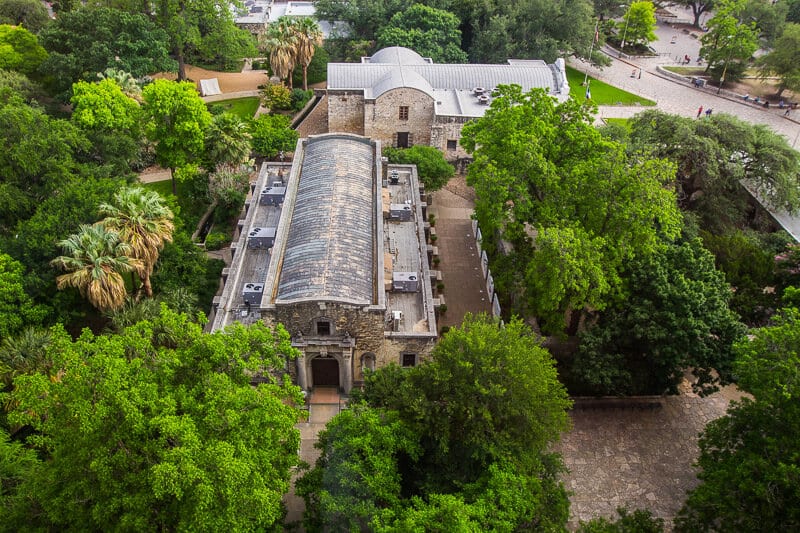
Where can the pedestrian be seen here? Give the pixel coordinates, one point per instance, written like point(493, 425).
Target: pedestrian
point(640, 73)
point(708, 112)
point(786, 113)
point(699, 111)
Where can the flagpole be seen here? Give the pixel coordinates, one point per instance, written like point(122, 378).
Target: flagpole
point(595, 38)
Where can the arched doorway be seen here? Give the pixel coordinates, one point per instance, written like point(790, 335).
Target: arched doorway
point(325, 372)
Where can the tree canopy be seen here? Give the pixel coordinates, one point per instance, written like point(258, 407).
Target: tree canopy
point(89, 40)
point(272, 134)
point(638, 24)
point(675, 317)
point(20, 50)
point(159, 428)
point(749, 459)
point(433, 169)
point(784, 60)
point(561, 220)
point(30, 14)
point(729, 41)
point(428, 31)
point(462, 439)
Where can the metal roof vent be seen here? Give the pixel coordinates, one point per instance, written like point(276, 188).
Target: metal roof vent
point(400, 212)
point(252, 293)
point(261, 237)
point(405, 282)
point(272, 195)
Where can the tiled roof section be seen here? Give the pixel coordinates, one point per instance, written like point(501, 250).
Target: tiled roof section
point(375, 78)
point(329, 250)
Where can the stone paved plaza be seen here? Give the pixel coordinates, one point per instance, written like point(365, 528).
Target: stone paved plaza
point(639, 458)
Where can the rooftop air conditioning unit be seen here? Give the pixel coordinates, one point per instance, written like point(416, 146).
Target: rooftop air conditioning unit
point(252, 293)
point(394, 177)
point(483, 99)
point(405, 281)
point(400, 212)
point(272, 195)
point(397, 317)
point(261, 237)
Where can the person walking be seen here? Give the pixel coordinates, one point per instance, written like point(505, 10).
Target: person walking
point(699, 111)
point(708, 112)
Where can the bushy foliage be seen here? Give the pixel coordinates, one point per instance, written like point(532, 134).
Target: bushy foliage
point(272, 134)
point(276, 96)
point(300, 98)
point(433, 170)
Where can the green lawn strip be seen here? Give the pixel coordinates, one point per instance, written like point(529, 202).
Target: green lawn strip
point(602, 93)
point(244, 108)
point(624, 122)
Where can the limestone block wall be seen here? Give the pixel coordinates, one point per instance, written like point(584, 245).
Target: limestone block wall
point(382, 116)
point(445, 129)
point(346, 112)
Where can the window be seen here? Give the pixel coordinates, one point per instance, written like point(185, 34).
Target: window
point(403, 112)
point(408, 359)
point(323, 327)
point(452, 144)
point(402, 139)
point(368, 361)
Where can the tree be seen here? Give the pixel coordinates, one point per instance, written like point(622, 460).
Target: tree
point(728, 39)
point(276, 97)
point(227, 141)
point(698, 7)
point(546, 207)
point(638, 521)
point(749, 459)
point(784, 60)
point(675, 317)
point(144, 223)
point(462, 439)
point(281, 42)
point(309, 37)
point(30, 14)
point(24, 353)
point(434, 171)
point(16, 308)
point(428, 31)
point(714, 157)
point(20, 50)
point(638, 24)
point(178, 121)
point(15, 84)
point(96, 260)
point(38, 158)
point(159, 428)
point(769, 18)
point(364, 18)
point(272, 134)
point(89, 40)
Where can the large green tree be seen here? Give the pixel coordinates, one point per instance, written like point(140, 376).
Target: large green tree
point(16, 308)
point(784, 60)
point(561, 220)
point(30, 14)
point(638, 24)
point(675, 317)
point(178, 120)
point(20, 50)
point(89, 40)
point(272, 134)
point(159, 428)
point(461, 441)
point(428, 31)
point(715, 156)
point(749, 459)
point(729, 42)
point(698, 7)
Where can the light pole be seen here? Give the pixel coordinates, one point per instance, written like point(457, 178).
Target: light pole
point(595, 38)
point(625, 32)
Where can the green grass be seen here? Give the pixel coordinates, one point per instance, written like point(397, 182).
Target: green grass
point(602, 93)
point(190, 210)
point(244, 108)
point(624, 122)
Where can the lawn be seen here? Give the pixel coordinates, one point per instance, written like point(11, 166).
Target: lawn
point(190, 210)
point(624, 122)
point(602, 93)
point(244, 108)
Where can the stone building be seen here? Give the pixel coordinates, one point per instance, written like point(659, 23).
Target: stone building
point(334, 248)
point(400, 98)
point(256, 15)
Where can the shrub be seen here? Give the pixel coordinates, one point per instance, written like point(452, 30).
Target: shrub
point(272, 134)
point(434, 171)
point(300, 98)
point(216, 240)
point(276, 97)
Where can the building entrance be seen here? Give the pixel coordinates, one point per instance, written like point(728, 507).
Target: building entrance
point(325, 372)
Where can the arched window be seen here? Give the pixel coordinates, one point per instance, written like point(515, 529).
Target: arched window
point(368, 361)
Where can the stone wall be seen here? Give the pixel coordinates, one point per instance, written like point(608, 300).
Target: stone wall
point(382, 117)
point(346, 112)
point(449, 128)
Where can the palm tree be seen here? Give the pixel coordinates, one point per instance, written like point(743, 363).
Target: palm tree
point(309, 36)
point(280, 41)
point(227, 141)
point(24, 353)
point(143, 223)
point(95, 262)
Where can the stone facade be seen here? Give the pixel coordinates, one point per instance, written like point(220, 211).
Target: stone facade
point(346, 112)
point(446, 134)
point(382, 117)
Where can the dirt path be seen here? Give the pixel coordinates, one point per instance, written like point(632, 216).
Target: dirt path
point(229, 82)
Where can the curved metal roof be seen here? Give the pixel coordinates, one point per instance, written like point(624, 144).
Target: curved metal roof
point(397, 55)
point(400, 77)
point(329, 249)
